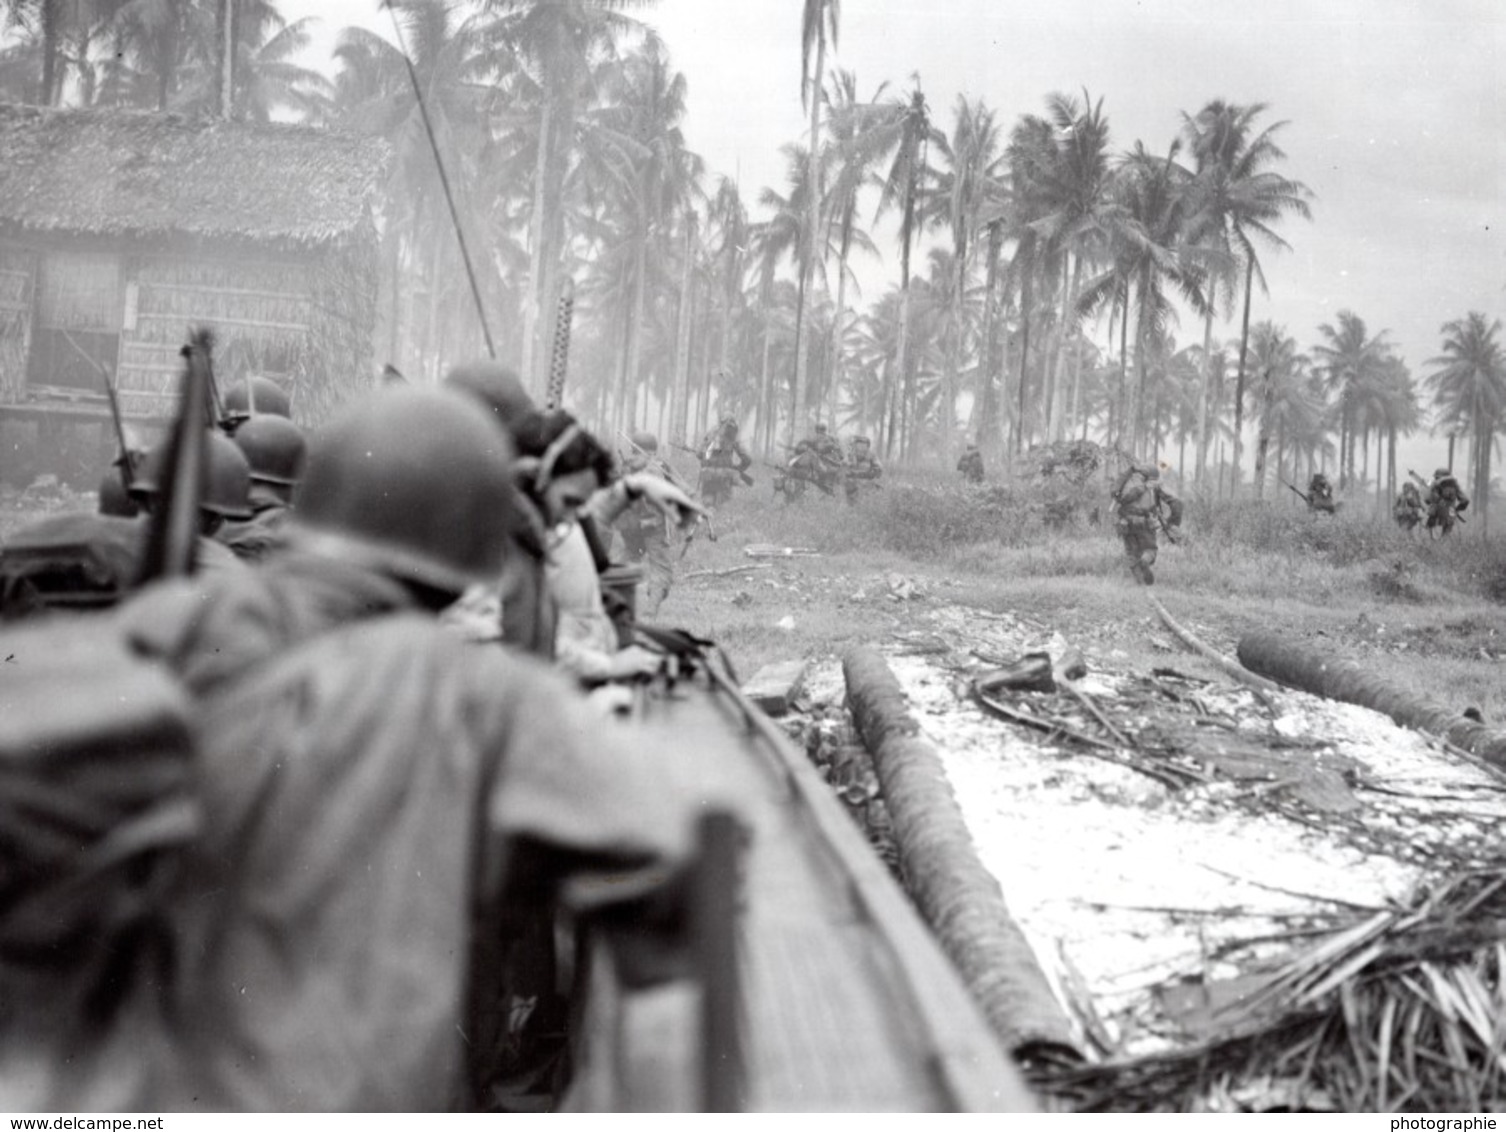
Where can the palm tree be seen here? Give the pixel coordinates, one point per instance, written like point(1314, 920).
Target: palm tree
point(818, 23)
point(556, 42)
point(1469, 391)
point(904, 130)
point(1074, 190)
point(963, 189)
point(1029, 157)
point(1237, 200)
point(1276, 365)
point(1352, 362)
point(850, 156)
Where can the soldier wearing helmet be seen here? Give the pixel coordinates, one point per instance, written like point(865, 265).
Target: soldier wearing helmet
point(276, 450)
point(1320, 494)
point(970, 464)
point(349, 745)
point(724, 462)
point(1142, 507)
point(643, 527)
point(1446, 502)
point(863, 471)
point(252, 396)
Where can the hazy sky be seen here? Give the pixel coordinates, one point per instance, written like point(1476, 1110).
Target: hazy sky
point(1396, 112)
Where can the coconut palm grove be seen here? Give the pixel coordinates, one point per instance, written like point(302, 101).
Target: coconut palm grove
point(1049, 278)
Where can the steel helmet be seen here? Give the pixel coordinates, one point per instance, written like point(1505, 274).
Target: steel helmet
point(274, 447)
point(227, 482)
point(729, 421)
point(495, 386)
point(820, 428)
point(1440, 473)
point(413, 483)
point(646, 441)
point(268, 395)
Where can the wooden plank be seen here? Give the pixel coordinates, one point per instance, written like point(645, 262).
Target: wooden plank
point(253, 323)
point(774, 686)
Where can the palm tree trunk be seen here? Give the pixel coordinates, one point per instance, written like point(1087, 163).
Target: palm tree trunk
point(1239, 381)
point(988, 394)
point(1026, 299)
point(1206, 400)
point(1263, 432)
point(1069, 303)
point(679, 390)
point(836, 325)
point(812, 232)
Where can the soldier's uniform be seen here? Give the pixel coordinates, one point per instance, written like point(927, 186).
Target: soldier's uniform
point(1320, 494)
point(381, 803)
point(863, 471)
point(645, 530)
point(817, 459)
point(970, 464)
point(1138, 500)
point(1408, 509)
point(1446, 500)
point(723, 461)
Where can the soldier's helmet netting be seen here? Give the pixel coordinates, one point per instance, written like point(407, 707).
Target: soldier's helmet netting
point(1441, 473)
point(646, 441)
point(227, 482)
point(274, 447)
point(415, 484)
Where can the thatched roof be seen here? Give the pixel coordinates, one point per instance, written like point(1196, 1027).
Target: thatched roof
point(131, 173)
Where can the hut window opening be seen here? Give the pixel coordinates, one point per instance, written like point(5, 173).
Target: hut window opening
point(78, 318)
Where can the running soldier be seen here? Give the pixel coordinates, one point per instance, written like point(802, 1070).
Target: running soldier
point(970, 464)
point(723, 462)
point(1408, 509)
point(1446, 502)
point(863, 471)
point(1139, 500)
point(1320, 494)
point(644, 527)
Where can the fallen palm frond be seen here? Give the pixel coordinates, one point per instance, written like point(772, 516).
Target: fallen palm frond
point(1403, 1010)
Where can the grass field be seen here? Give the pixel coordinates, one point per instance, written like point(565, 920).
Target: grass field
point(1427, 614)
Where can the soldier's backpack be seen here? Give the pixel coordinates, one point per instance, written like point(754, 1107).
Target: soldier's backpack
point(97, 805)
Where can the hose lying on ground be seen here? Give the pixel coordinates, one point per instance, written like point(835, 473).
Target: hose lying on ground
point(959, 897)
point(1305, 668)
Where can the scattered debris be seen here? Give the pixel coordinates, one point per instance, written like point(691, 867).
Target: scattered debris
point(775, 686)
point(729, 571)
point(770, 550)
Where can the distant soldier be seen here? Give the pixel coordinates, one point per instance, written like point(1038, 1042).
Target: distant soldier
point(1408, 509)
point(970, 464)
point(1446, 501)
point(1320, 494)
point(253, 396)
point(817, 459)
point(225, 497)
point(1139, 500)
point(276, 450)
point(863, 471)
point(723, 462)
point(644, 527)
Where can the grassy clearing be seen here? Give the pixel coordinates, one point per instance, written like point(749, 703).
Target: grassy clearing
point(1425, 614)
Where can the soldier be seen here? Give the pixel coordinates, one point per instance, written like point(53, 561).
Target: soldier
point(723, 462)
point(817, 459)
point(275, 449)
point(253, 396)
point(1138, 502)
point(970, 464)
point(226, 495)
point(382, 803)
point(1320, 494)
point(1408, 508)
point(643, 526)
point(1446, 501)
point(863, 471)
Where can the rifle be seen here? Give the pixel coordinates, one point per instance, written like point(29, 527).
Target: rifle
point(127, 465)
point(173, 530)
point(1305, 497)
point(748, 480)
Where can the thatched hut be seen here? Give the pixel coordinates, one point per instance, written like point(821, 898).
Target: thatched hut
point(120, 230)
